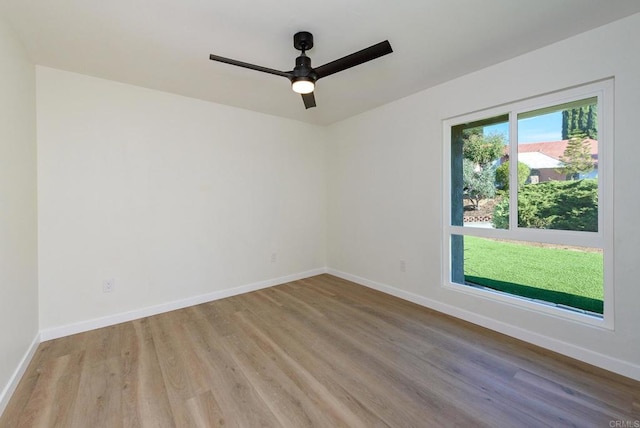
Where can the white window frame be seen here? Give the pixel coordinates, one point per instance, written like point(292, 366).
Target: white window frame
point(603, 238)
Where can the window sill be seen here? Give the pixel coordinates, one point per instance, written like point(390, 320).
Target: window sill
point(531, 305)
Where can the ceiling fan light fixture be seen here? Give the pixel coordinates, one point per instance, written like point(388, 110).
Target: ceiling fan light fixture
point(302, 85)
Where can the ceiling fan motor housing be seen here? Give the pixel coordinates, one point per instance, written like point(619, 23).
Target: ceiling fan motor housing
point(303, 69)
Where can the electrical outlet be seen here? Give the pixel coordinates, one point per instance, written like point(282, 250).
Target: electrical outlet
point(108, 285)
point(274, 257)
point(403, 266)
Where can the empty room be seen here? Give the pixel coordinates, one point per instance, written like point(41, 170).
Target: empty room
point(404, 214)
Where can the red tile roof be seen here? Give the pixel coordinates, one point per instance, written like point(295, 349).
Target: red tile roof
point(554, 149)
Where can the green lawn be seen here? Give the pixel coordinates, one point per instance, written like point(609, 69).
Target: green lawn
point(565, 276)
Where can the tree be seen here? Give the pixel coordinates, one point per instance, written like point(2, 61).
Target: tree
point(478, 174)
point(576, 158)
point(483, 150)
point(580, 121)
point(502, 175)
point(479, 183)
point(467, 132)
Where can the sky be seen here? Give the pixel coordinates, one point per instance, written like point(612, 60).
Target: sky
point(547, 127)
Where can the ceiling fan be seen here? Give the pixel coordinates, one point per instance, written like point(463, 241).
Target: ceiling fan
point(303, 77)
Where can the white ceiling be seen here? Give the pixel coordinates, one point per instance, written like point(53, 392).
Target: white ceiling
point(165, 44)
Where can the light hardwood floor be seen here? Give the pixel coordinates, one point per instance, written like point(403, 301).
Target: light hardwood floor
point(318, 352)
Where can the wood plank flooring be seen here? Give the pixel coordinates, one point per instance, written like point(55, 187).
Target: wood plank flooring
point(318, 352)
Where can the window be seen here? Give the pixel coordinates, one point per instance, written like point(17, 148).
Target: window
point(527, 203)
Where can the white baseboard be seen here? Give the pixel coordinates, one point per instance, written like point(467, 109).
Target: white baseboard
point(615, 365)
point(11, 386)
point(92, 324)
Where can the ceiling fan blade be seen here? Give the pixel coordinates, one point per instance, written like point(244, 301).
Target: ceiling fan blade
point(309, 100)
point(357, 58)
point(249, 66)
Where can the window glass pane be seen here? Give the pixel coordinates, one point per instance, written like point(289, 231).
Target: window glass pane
point(479, 179)
point(558, 167)
point(570, 277)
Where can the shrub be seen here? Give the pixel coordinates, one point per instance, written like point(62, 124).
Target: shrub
point(502, 175)
point(565, 205)
point(500, 218)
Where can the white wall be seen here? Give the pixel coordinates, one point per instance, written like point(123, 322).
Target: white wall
point(170, 196)
point(385, 191)
point(18, 231)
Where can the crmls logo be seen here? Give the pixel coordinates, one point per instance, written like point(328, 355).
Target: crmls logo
point(624, 424)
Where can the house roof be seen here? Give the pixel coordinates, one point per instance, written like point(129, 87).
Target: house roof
point(547, 154)
point(538, 160)
point(554, 149)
